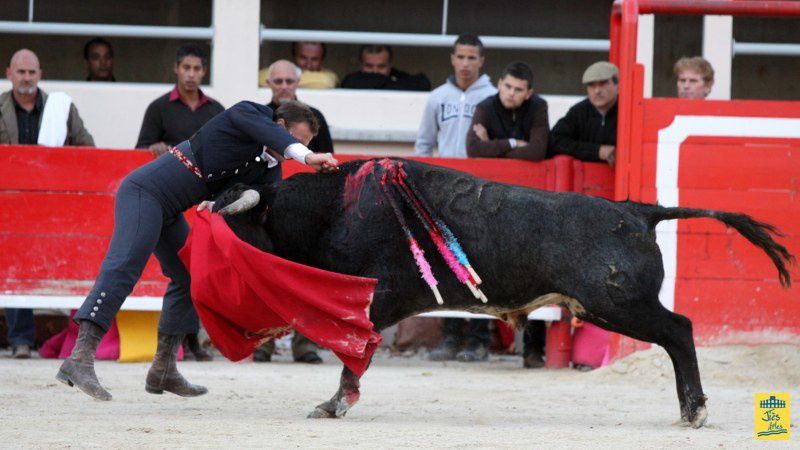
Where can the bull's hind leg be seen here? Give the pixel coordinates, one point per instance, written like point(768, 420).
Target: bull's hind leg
point(342, 401)
point(678, 341)
point(649, 321)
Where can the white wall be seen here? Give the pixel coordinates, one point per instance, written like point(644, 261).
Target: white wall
point(113, 112)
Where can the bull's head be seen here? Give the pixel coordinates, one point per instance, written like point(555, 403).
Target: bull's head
point(246, 214)
point(235, 201)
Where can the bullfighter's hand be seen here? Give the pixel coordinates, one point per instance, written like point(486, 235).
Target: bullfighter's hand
point(322, 162)
point(480, 130)
point(205, 205)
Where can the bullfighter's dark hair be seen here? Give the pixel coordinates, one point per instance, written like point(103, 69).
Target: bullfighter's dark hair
point(519, 70)
point(191, 50)
point(469, 39)
point(294, 112)
point(97, 40)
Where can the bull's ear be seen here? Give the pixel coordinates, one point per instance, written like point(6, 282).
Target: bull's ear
point(246, 201)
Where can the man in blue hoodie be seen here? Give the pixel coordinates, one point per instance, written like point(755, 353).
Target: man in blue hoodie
point(448, 113)
point(445, 123)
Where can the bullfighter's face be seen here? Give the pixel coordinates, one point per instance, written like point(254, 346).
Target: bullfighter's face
point(302, 132)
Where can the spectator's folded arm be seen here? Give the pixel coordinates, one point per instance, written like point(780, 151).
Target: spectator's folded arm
point(478, 148)
point(536, 148)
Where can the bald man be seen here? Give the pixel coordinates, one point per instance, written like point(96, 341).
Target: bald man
point(282, 78)
point(22, 110)
point(22, 107)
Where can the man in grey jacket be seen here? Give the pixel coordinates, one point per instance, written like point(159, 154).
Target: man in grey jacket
point(448, 113)
point(445, 123)
point(21, 112)
point(22, 107)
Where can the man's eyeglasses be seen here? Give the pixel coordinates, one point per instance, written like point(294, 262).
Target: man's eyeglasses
point(289, 81)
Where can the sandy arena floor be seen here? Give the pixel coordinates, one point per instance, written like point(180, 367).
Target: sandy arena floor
point(405, 402)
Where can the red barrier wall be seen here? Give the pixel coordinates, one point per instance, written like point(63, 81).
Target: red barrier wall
point(57, 217)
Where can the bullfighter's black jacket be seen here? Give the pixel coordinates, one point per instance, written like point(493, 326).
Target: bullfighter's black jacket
point(229, 148)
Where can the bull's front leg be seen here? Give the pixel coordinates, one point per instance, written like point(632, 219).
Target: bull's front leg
point(342, 401)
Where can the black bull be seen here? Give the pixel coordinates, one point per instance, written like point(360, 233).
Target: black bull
point(531, 248)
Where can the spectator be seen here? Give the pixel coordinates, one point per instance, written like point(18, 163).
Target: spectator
point(695, 77)
point(377, 72)
point(309, 56)
point(99, 58)
point(513, 123)
point(282, 78)
point(26, 120)
point(177, 115)
point(589, 130)
point(447, 118)
point(448, 112)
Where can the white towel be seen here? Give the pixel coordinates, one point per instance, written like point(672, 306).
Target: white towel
point(53, 132)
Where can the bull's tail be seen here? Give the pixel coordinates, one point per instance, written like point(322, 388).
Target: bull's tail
point(758, 233)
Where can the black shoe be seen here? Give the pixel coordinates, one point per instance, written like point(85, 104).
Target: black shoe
point(192, 344)
point(533, 360)
point(446, 351)
point(476, 352)
point(261, 355)
point(309, 358)
point(21, 352)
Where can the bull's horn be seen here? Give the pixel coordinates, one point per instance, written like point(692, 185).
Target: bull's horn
point(248, 200)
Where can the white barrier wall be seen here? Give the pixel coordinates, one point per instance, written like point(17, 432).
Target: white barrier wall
point(113, 112)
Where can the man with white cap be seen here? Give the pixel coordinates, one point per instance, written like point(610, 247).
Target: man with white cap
point(589, 129)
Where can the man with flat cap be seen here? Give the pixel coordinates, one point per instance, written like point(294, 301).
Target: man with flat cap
point(589, 129)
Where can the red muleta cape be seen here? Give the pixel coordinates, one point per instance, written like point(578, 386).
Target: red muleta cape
point(244, 295)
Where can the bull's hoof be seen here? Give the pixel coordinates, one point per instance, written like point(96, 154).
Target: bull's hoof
point(319, 413)
point(700, 417)
point(342, 407)
point(323, 411)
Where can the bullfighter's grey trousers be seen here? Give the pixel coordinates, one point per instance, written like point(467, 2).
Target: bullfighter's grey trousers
point(148, 219)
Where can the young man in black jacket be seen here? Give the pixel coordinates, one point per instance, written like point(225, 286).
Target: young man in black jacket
point(589, 130)
point(512, 123)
